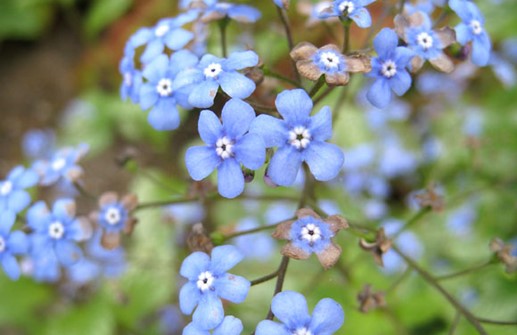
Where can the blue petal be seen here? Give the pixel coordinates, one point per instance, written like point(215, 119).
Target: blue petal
point(153, 49)
point(209, 127)
point(379, 94)
point(241, 60)
point(191, 329)
point(385, 42)
point(141, 37)
point(64, 209)
point(155, 70)
point(236, 85)
point(291, 308)
point(18, 201)
point(148, 96)
point(237, 116)
point(15, 173)
point(230, 180)
point(11, 268)
point(243, 13)
point(230, 326)
point(321, 125)
point(194, 264)
point(463, 33)
point(189, 297)
point(209, 313)
point(209, 59)
point(203, 94)
point(27, 179)
point(187, 77)
point(250, 151)
point(268, 327)
point(461, 8)
point(327, 317)
point(68, 252)
point(362, 18)
point(403, 56)
point(284, 165)
point(400, 83)
point(481, 50)
point(201, 161)
point(294, 106)
point(272, 130)
point(183, 59)
point(232, 288)
point(178, 38)
point(224, 258)
point(325, 160)
point(363, 3)
point(18, 243)
point(37, 214)
point(164, 116)
point(7, 220)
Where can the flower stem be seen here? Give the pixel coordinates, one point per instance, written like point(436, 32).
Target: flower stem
point(252, 231)
point(83, 191)
point(269, 73)
point(290, 42)
point(346, 35)
point(466, 271)
point(282, 269)
point(413, 220)
point(317, 86)
point(223, 24)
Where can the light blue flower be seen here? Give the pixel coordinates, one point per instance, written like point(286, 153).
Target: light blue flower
point(212, 72)
point(227, 147)
point(61, 166)
point(230, 326)
point(291, 309)
point(257, 246)
point(388, 69)
point(408, 243)
point(223, 10)
point(159, 92)
point(351, 9)
point(472, 30)
point(38, 143)
point(131, 80)
point(11, 244)
point(13, 196)
point(208, 283)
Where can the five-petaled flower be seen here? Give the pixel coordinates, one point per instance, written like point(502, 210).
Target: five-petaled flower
point(311, 234)
point(13, 197)
point(208, 282)
point(328, 60)
point(61, 166)
point(230, 326)
point(291, 309)
point(349, 9)
point(299, 138)
point(388, 69)
point(428, 44)
point(11, 244)
point(227, 147)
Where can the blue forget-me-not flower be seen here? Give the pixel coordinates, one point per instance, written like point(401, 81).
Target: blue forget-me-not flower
point(350, 9)
point(61, 166)
point(230, 326)
point(13, 197)
point(208, 282)
point(11, 244)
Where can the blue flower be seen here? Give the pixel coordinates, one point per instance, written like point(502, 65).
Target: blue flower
point(212, 72)
point(291, 309)
point(131, 82)
point(299, 138)
point(351, 9)
point(158, 92)
point(228, 146)
point(257, 246)
point(11, 244)
point(230, 326)
point(416, 31)
point(13, 196)
point(38, 143)
point(56, 232)
point(240, 13)
point(407, 241)
point(471, 30)
point(62, 165)
point(388, 69)
point(208, 282)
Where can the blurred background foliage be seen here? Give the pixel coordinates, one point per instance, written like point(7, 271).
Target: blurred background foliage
point(59, 65)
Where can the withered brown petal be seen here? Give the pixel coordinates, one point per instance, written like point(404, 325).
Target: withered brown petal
point(130, 201)
point(308, 69)
point(416, 64)
point(329, 256)
point(442, 63)
point(108, 198)
point(446, 35)
point(303, 50)
point(358, 64)
point(336, 222)
point(337, 79)
point(303, 212)
point(291, 251)
point(110, 240)
point(282, 231)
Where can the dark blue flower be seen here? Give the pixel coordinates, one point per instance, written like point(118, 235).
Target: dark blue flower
point(158, 92)
point(228, 146)
point(230, 326)
point(351, 9)
point(212, 72)
point(299, 138)
point(388, 69)
point(471, 29)
point(291, 309)
point(62, 165)
point(13, 197)
point(208, 282)
point(11, 244)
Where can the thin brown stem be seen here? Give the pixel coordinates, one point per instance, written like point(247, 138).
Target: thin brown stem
point(251, 231)
point(83, 191)
point(455, 323)
point(464, 272)
point(497, 322)
point(282, 270)
point(289, 37)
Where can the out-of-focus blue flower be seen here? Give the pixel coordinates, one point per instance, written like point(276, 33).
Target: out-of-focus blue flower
point(227, 147)
point(257, 246)
point(170, 320)
point(397, 110)
point(290, 308)
point(388, 69)
point(38, 143)
point(223, 10)
point(212, 72)
point(62, 165)
point(230, 326)
point(160, 93)
point(187, 213)
point(131, 80)
point(350, 9)
point(396, 160)
point(375, 209)
point(186, 4)
point(503, 69)
point(279, 211)
point(208, 282)
point(509, 49)
point(329, 207)
point(408, 243)
point(460, 220)
point(11, 244)
point(43, 267)
point(473, 123)
point(299, 138)
point(426, 6)
point(56, 232)
point(471, 29)
point(13, 197)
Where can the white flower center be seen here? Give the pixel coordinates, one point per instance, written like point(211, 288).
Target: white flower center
point(6, 187)
point(164, 87)
point(161, 30)
point(330, 60)
point(2, 244)
point(223, 147)
point(56, 230)
point(299, 137)
point(311, 233)
point(302, 331)
point(389, 68)
point(58, 164)
point(204, 281)
point(346, 7)
point(476, 27)
point(213, 70)
point(128, 79)
point(424, 40)
point(112, 216)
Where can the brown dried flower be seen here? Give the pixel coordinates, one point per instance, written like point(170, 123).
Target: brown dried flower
point(379, 247)
point(369, 300)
